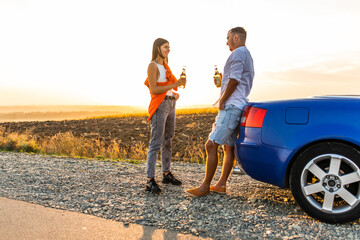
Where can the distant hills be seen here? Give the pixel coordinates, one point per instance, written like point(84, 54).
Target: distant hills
point(45, 113)
point(68, 112)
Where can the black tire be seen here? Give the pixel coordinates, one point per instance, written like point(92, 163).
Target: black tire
point(325, 182)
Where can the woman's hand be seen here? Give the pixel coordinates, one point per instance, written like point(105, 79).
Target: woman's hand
point(176, 95)
point(181, 81)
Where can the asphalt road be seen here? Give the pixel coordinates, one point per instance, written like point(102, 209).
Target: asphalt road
point(21, 220)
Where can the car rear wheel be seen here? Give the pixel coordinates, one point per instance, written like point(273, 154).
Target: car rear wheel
point(325, 182)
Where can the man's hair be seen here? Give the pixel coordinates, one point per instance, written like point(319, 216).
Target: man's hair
point(240, 31)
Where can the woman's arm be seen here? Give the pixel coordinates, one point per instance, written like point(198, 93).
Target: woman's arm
point(153, 75)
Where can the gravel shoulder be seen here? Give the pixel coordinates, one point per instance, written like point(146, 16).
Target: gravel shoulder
point(115, 190)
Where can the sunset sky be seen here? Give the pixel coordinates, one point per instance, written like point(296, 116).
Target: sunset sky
point(96, 52)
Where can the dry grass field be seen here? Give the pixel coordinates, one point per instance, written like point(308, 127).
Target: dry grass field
point(115, 136)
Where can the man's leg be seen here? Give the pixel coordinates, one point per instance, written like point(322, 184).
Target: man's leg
point(229, 161)
point(211, 164)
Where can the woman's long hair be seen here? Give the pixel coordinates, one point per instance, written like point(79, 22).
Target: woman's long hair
point(156, 49)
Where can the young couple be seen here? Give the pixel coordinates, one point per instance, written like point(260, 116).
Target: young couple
point(235, 87)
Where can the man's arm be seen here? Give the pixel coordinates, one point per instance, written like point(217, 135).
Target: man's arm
point(230, 88)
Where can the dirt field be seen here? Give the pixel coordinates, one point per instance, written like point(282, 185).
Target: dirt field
point(190, 135)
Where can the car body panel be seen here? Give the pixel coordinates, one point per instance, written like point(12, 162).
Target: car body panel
point(297, 115)
point(289, 126)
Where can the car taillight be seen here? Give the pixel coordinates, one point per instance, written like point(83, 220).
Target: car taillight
point(253, 117)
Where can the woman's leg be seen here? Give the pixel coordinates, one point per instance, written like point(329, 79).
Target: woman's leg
point(158, 122)
point(166, 151)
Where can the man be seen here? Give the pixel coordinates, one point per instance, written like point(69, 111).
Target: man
point(235, 87)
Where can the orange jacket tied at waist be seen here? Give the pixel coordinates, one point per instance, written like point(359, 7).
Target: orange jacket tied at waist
point(156, 99)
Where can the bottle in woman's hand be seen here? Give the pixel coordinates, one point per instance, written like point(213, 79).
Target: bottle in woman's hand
point(183, 76)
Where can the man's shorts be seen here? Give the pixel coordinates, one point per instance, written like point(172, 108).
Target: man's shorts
point(226, 127)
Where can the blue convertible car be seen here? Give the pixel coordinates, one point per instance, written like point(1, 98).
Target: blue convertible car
point(310, 145)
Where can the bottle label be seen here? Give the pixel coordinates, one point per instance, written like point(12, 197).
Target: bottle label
point(218, 80)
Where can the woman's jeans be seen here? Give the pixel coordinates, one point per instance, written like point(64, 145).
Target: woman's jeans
point(162, 130)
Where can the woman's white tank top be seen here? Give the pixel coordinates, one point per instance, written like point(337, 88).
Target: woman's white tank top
point(162, 77)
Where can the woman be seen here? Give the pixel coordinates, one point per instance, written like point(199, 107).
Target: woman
point(160, 82)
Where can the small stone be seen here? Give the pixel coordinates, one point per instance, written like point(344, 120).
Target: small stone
point(297, 227)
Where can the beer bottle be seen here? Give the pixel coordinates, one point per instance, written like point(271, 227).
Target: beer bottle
point(217, 77)
point(183, 75)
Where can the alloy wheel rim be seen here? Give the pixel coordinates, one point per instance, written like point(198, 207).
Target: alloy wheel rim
point(330, 189)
